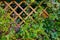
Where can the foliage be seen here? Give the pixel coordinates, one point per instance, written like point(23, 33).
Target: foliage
point(4, 23)
point(40, 29)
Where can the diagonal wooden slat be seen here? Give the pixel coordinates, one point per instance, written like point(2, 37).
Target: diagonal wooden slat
point(18, 5)
point(22, 9)
point(14, 11)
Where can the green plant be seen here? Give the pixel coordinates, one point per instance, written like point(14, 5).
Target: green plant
point(40, 29)
point(4, 23)
point(47, 29)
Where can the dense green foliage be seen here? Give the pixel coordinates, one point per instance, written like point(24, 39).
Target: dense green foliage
point(4, 22)
point(40, 29)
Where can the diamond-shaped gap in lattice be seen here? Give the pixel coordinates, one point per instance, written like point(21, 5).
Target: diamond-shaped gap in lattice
point(8, 1)
point(28, 10)
point(23, 5)
point(18, 20)
point(34, 5)
point(2, 4)
point(18, 10)
point(44, 5)
point(13, 5)
point(23, 15)
point(38, 1)
point(13, 15)
point(18, 1)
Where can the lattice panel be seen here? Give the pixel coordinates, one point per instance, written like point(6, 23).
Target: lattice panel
point(21, 11)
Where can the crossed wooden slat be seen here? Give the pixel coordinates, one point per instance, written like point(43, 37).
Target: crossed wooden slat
point(24, 10)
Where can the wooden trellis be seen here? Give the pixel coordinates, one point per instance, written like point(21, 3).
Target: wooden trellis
point(16, 10)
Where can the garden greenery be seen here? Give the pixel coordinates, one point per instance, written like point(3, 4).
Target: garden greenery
point(4, 22)
point(40, 29)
